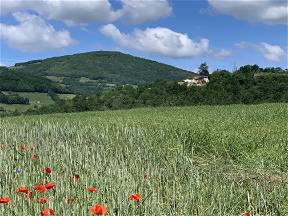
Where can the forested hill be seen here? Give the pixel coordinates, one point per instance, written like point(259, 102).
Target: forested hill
point(15, 81)
point(92, 71)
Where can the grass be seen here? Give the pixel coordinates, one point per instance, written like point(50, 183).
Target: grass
point(206, 160)
point(66, 96)
point(35, 99)
point(85, 80)
point(55, 78)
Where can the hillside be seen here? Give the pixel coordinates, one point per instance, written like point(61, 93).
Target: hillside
point(13, 80)
point(93, 71)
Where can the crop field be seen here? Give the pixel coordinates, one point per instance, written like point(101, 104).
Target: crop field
point(202, 161)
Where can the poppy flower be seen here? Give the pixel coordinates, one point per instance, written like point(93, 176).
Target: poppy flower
point(49, 185)
point(34, 157)
point(91, 189)
point(21, 148)
point(247, 213)
point(4, 199)
point(30, 194)
point(40, 188)
point(22, 189)
point(48, 170)
point(43, 200)
point(47, 212)
point(75, 178)
point(98, 209)
point(135, 197)
point(70, 200)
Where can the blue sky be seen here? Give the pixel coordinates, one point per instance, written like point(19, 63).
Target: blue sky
point(223, 33)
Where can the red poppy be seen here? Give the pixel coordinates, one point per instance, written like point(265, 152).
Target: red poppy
point(70, 200)
point(21, 148)
point(91, 189)
point(40, 188)
point(22, 189)
point(98, 209)
point(49, 185)
point(34, 157)
point(30, 194)
point(48, 170)
point(43, 200)
point(4, 199)
point(135, 197)
point(75, 178)
point(47, 212)
point(247, 213)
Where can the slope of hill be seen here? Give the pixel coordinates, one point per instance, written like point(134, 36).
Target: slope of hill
point(89, 72)
point(11, 80)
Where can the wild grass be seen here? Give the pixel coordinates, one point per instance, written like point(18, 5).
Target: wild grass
point(206, 160)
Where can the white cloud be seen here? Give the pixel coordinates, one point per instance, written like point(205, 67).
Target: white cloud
point(34, 34)
point(78, 12)
point(244, 44)
point(139, 11)
point(73, 12)
point(158, 40)
point(269, 51)
point(221, 54)
point(266, 11)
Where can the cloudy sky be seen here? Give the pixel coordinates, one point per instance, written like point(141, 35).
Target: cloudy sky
point(182, 33)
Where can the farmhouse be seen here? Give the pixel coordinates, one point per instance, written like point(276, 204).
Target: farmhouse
point(195, 81)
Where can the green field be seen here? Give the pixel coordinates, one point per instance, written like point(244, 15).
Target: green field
point(66, 96)
point(35, 99)
point(205, 160)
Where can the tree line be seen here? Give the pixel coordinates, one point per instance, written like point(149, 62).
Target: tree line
point(13, 98)
point(248, 85)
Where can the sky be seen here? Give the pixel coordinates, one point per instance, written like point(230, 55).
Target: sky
point(183, 33)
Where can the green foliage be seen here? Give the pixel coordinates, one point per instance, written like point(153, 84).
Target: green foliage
point(203, 69)
point(250, 84)
point(17, 81)
point(13, 98)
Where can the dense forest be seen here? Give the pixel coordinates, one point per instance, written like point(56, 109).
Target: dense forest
point(16, 81)
point(248, 85)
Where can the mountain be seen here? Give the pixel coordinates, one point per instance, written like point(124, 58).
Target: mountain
point(93, 71)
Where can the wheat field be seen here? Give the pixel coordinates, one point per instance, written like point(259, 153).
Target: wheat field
point(202, 161)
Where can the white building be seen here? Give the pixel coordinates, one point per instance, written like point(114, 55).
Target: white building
point(195, 81)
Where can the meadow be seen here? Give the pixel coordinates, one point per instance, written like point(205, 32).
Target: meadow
point(202, 161)
point(35, 98)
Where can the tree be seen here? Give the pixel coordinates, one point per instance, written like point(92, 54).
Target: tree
point(203, 69)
